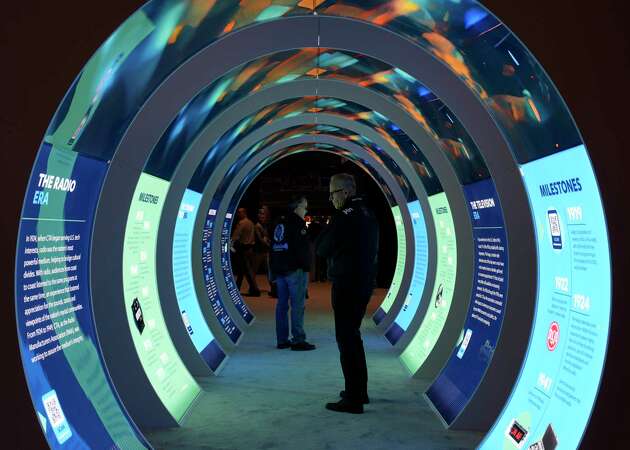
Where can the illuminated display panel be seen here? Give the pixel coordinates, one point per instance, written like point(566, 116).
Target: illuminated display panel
point(401, 256)
point(170, 379)
point(423, 342)
point(566, 352)
point(225, 241)
point(208, 164)
point(198, 183)
point(458, 380)
point(387, 130)
point(191, 313)
point(429, 111)
point(515, 98)
point(488, 58)
point(418, 278)
point(152, 43)
point(226, 266)
point(70, 128)
point(216, 302)
point(378, 154)
point(69, 385)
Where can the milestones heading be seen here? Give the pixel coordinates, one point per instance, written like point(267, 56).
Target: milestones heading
point(560, 187)
point(149, 198)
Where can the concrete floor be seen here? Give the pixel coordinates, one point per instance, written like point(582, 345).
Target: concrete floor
point(266, 398)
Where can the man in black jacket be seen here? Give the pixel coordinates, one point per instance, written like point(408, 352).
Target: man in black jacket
point(290, 260)
point(350, 243)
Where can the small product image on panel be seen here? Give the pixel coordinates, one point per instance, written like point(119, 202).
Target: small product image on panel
point(554, 226)
point(516, 433)
point(438, 297)
point(464, 346)
point(137, 314)
point(187, 324)
point(549, 441)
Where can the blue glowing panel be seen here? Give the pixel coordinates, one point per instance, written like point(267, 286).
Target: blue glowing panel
point(191, 313)
point(226, 266)
point(74, 399)
point(218, 308)
point(419, 276)
point(457, 382)
point(565, 357)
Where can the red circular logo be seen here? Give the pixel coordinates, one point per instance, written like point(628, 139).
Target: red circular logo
point(553, 336)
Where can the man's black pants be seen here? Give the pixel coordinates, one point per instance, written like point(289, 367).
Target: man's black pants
point(349, 302)
point(246, 261)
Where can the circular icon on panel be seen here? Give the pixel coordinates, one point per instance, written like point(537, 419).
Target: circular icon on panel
point(553, 336)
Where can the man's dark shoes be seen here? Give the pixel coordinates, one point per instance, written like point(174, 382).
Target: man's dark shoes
point(283, 345)
point(346, 406)
point(253, 294)
point(302, 346)
point(365, 399)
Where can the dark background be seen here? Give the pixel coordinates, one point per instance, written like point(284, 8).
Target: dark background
point(583, 46)
point(309, 174)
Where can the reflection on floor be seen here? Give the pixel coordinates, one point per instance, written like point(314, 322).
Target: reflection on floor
point(266, 398)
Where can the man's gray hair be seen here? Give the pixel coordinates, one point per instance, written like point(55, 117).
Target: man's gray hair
point(346, 181)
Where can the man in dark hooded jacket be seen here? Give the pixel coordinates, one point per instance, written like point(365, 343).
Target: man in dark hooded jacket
point(350, 244)
point(290, 261)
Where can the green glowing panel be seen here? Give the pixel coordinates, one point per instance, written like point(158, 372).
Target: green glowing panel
point(400, 261)
point(414, 356)
point(168, 376)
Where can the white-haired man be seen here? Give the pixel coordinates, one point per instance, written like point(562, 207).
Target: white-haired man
point(350, 243)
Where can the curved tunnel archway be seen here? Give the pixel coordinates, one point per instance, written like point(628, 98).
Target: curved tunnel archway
point(530, 200)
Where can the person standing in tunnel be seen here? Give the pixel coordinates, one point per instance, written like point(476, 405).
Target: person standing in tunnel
point(350, 244)
point(290, 260)
point(243, 239)
point(263, 244)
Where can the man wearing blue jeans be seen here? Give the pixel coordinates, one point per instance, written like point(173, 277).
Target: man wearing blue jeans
point(290, 261)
